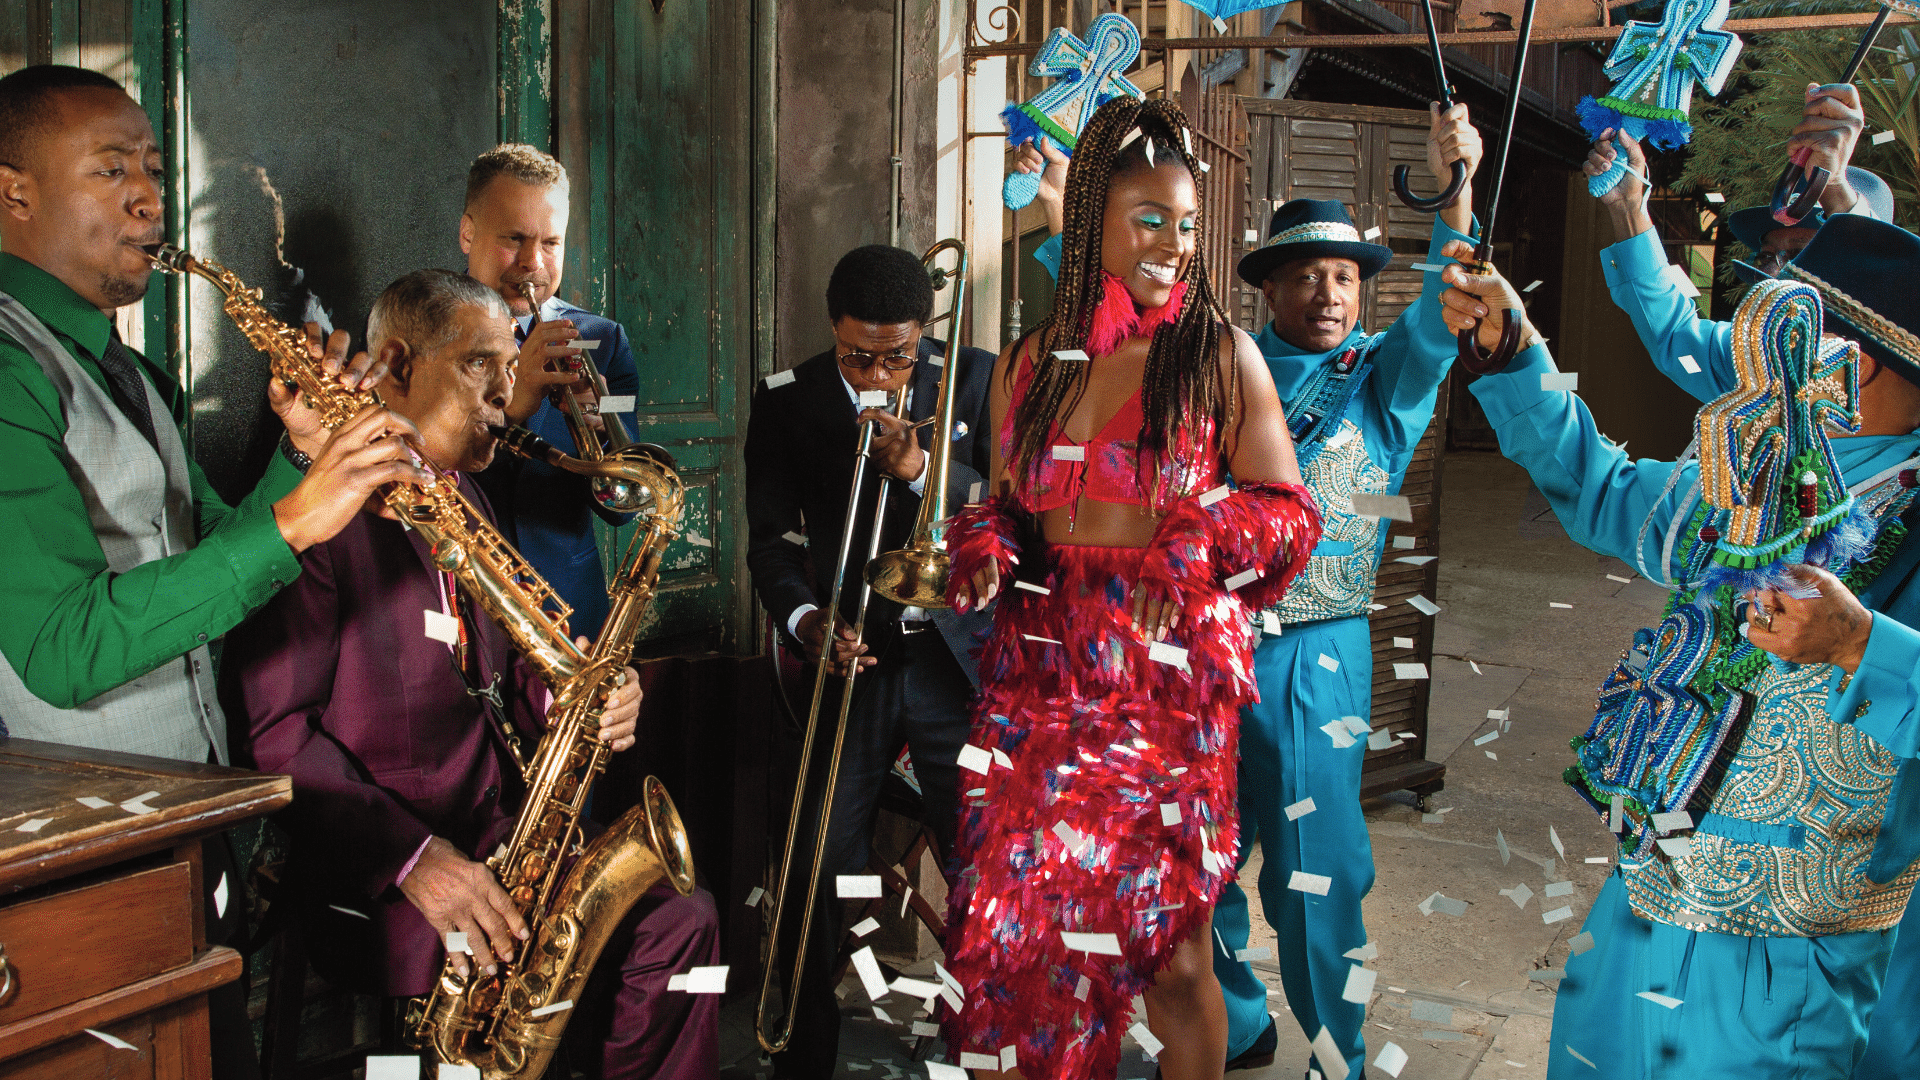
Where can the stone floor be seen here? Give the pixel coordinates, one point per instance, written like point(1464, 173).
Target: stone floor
point(1504, 562)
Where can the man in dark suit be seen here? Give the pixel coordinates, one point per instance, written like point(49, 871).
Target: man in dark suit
point(917, 671)
point(399, 737)
point(514, 234)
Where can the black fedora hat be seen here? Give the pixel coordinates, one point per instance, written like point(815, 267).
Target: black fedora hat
point(1312, 229)
point(1865, 270)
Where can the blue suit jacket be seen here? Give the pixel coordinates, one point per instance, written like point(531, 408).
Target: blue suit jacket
point(547, 514)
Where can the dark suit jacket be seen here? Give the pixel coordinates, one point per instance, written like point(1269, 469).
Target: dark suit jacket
point(547, 513)
point(801, 439)
point(336, 684)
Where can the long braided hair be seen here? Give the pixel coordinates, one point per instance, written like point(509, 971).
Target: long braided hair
point(1182, 383)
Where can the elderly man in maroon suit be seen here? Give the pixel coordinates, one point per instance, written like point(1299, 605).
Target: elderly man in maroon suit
point(396, 735)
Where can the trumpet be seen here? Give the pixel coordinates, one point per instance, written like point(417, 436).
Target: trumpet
point(612, 487)
point(915, 576)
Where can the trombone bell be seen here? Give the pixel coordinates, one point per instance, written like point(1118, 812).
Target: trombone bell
point(915, 576)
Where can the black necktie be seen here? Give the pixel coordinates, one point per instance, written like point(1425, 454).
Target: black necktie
point(128, 388)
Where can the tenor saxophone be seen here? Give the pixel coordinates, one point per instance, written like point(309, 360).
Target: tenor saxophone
point(572, 894)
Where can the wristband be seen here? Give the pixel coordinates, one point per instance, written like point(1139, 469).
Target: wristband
point(293, 455)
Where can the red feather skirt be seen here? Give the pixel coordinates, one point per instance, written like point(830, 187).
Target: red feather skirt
point(1108, 809)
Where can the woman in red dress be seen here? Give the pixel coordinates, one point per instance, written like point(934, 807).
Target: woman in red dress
point(1100, 818)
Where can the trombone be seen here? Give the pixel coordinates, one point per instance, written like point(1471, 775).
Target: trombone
point(915, 576)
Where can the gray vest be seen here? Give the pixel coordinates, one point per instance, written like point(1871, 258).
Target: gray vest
point(141, 506)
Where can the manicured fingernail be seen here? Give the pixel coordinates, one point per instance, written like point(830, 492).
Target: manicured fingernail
point(491, 969)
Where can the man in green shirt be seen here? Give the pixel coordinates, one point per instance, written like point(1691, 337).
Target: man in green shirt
point(121, 562)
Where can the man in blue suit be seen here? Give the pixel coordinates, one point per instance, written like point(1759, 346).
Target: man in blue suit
point(514, 234)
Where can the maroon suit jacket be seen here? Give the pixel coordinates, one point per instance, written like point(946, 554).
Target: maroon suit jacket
point(336, 684)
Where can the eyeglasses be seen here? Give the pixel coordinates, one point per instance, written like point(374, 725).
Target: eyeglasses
point(861, 361)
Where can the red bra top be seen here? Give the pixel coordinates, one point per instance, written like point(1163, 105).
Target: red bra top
point(1105, 468)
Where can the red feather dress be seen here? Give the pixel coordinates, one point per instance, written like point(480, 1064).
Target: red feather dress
point(1102, 798)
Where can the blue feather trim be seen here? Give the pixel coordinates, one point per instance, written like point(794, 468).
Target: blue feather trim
point(1850, 540)
point(1020, 126)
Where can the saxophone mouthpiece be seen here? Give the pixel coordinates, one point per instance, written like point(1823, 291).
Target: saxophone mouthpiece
point(524, 442)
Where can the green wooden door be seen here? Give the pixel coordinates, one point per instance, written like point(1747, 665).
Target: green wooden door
point(656, 113)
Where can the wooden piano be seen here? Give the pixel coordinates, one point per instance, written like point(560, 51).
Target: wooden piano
point(102, 910)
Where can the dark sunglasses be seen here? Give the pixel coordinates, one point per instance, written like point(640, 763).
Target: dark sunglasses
point(861, 361)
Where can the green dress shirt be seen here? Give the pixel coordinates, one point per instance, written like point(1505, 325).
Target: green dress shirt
point(72, 628)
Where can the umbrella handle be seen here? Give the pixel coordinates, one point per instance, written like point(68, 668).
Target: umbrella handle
point(1439, 202)
point(1797, 193)
point(1489, 363)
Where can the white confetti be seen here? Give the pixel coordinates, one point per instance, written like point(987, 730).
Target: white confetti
point(457, 1072)
point(1475, 667)
point(1031, 587)
point(1882, 138)
point(1558, 888)
point(973, 493)
point(924, 1029)
point(122, 1044)
point(866, 926)
point(1598, 860)
point(1392, 507)
point(1242, 579)
point(1675, 847)
point(1296, 811)
point(754, 897)
point(1270, 623)
point(1428, 268)
point(1070, 355)
point(978, 1061)
point(1553, 834)
point(1716, 198)
point(1691, 367)
point(1621, 580)
point(442, 627)
point(1682, 280)
point(1500, 842)
point(1009, 1058)
point(1101, 944)
point(1083, 988)
point(975, 759)
point(33, 825)
point(1000, 758)
point(1252, 236)
point(1409, 671)
point(457, 943)
point(1423, 605)
point(1041, 640)
point(1327, 1052)
point(1391, 1059)
point(617, 403)
point(1380, 740)
point(871, 980)
point(1672, 821)
point(1214, 495)
point(1537, 283)
point(1144, 1036)
point(1580, 942)
point(794, 538)
point(1337, 731)
point(1357, 725)
point(780, 378)
point(1616, 815)
point(350, 911)
point(1317, 884)
point(874, 399)
point(1372, 232)
point(1369, 951)
point(856, 886)
point(1169, 813)
point(1359, 989)
point(1551, 381)
point(1171, 655)
point(1519, 894)
point(1487, 738)
point(1069, 453)
point(1329, 662)
point(938, 1071)
point(708, 980)
point(1258, 952)
point(881, 1015)
point(549, 1010)
point(919, 989)
point(1559, 914)
point(1403, 643)
point(1582, 1057)
point(1558, 604)
point(1405, 543)
point(1416, 560)
point(1659, 999)
point(220, 897)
